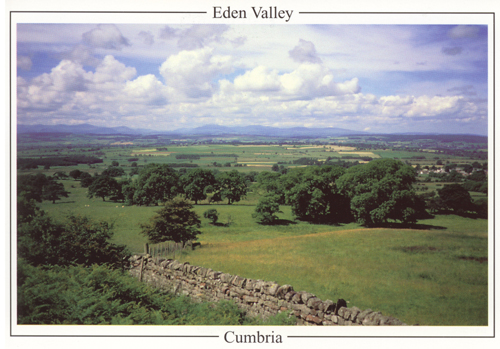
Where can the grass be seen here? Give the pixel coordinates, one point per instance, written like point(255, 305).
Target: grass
point(414, 275)
point(433, 275)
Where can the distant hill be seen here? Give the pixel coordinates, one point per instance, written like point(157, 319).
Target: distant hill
point(206, 130)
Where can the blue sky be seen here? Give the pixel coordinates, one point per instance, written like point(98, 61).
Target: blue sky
point(376, 78)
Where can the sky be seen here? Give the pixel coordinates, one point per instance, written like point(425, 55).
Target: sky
point(374, 78)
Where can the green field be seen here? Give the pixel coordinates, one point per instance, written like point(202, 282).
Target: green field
point(433, 274)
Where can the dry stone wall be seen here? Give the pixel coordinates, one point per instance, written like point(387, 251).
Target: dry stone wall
point(255, 297)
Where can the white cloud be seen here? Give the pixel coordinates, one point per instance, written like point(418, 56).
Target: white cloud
point(258, 79)
point(24, 62)
point(304, 52)
point(191, 73)
point(106, 36)
point(111, 70)
point(195, 36)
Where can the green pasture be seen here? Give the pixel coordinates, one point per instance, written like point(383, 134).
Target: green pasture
point(434, 274)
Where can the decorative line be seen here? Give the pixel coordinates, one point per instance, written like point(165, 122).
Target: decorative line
point(159, 12)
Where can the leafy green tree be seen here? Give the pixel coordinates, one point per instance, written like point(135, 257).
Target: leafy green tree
point(60, 175)
point(103, 186)
point(313, 194)
point(196, 182)
point(231, 185)
point(212, 215)
point(41, 241)
point(156, 183)
point(380, 190)
point(456, 198)
point(54, 191)
point(86, 179)
point(26, 209)
point(75, 174)
point(31, 186)
point(40, 187)
point(478, 176)
point(270, 182)
point(115, 163)
point(174, 221)
point(266, 209)
point(113, 172)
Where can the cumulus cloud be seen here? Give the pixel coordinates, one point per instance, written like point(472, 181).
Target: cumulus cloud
point(258, 79)
point(111, 70)
point(196, 36)
point(106, 36)
point(192, 72)
point(24, 62)
point(305, 51)
point(81, 54)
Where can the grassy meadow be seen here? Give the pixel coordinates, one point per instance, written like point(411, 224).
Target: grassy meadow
point(433, 274)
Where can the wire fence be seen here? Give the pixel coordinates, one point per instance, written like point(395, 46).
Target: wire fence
point(167, 249)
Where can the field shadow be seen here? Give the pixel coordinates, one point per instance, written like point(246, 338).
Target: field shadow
point(278, 222)
point(415, 226)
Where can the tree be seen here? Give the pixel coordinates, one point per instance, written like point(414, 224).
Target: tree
point(113, 172)
point(212, 215)
point(266, 209)
point(313, 194)
point(86, 179)
point(174, 221)
point(115, 163)
point(456, 198)
point(269, 181)
point(40, 187)
point(102, 187)
point(54, 191)
point(156, 183)
point(41, 241)
point(380, 190)
point(75, 174)
point(231, 185)
point(195, 184)
point(60, 175)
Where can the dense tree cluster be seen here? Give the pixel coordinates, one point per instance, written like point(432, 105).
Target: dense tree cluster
point(40, 187)
point(71, 160)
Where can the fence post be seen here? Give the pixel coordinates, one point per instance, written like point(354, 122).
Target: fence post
point(146, 248)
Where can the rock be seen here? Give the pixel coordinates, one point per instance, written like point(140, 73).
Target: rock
point(297, 298)
point(272, 289)
point(361, 316)
point(314, 319)
point(305, 296)
point(314, 303)
point(283, 290)
point(250, 299)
